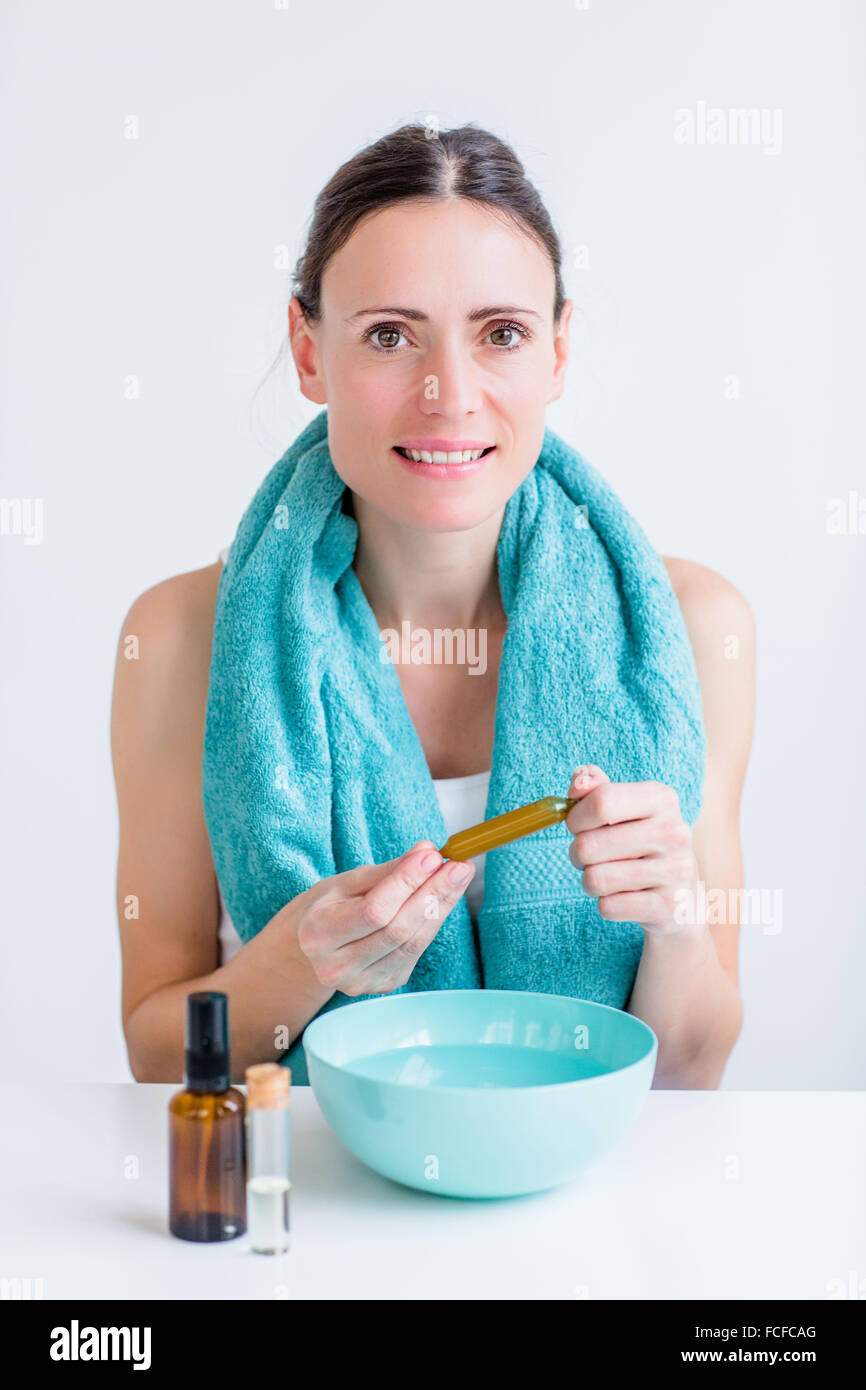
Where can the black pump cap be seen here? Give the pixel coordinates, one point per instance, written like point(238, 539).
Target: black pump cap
point(207, 1042)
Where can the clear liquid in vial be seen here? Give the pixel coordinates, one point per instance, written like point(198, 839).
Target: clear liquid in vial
point(268, 1214)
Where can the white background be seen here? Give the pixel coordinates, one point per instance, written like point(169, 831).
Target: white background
point(159, 258)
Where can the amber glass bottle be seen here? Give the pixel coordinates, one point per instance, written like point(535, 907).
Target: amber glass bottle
point(207, 1152)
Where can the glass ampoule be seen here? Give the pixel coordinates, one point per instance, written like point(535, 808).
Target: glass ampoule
point(513, 825)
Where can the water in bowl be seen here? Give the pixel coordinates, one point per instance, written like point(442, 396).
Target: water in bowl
point(475, 1065)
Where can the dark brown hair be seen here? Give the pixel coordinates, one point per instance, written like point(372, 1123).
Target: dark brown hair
point(416, 162)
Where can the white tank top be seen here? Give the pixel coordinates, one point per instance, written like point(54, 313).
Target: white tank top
point(462, 800)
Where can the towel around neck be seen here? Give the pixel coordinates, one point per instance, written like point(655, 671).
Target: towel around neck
point(312, 764)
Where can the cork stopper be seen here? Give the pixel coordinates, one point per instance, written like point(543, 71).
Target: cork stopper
point(267, 1086)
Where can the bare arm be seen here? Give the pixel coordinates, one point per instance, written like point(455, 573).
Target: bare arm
point(167, 897)
point(687, 982)
point(361, 931)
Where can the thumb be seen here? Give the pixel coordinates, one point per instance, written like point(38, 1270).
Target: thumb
point(356, 882)
point(585, 779)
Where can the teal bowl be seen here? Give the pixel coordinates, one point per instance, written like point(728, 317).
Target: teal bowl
point(479, 1093)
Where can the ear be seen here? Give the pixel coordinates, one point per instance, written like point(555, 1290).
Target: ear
point(305, 352)
point(560, 347)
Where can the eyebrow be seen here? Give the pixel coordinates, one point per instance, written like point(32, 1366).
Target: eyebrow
point(474, 316)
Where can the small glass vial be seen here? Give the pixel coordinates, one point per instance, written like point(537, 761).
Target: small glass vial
point(207, 1196)
point(268, 1152)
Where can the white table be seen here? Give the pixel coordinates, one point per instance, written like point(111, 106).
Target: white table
point(710, 1195)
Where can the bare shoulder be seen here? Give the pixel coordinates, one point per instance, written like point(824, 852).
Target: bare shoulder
point(713, 608)
point(176, 608)
point(721, 629)
point(163, 656)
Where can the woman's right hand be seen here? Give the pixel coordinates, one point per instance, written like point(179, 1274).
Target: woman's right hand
point(364, 930)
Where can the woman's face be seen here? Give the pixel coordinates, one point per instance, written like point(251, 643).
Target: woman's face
point(436, 334)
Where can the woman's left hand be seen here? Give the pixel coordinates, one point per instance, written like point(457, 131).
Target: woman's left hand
point(635, 851)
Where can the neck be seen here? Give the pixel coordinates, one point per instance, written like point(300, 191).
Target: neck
point(428, 579)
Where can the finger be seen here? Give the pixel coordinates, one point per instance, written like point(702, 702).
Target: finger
point(631, 839)
point(615, 802)
point(418, 921)
point(621, 876)
point(584, 779)
point(646, 909)
point(355, 883)
point(362, 916)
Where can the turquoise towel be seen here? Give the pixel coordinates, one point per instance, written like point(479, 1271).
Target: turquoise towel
point(312, 764)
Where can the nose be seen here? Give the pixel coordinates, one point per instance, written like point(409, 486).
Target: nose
point(451, 382)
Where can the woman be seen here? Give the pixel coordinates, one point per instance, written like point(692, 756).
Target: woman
point(429, 317)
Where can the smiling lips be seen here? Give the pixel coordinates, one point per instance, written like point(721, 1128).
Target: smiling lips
point(444, 451)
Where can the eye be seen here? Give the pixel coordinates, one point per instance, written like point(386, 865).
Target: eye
point(379, 331)
point(508, 327)
point(390, 330)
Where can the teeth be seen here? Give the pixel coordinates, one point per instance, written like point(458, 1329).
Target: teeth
point(437, 456)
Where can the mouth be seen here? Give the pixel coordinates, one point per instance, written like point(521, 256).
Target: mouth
point(443, 458)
